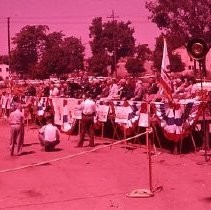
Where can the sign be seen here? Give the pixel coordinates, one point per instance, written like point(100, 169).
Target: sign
point(102, 113)
point(121, 114)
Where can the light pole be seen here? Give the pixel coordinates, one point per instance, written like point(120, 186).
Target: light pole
point(9, 50)
point(114, 41)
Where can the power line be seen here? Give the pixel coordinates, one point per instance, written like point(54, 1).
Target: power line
point(44, 22)
point(74, 16)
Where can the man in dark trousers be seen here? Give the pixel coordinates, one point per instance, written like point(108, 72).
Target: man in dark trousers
point(88, 108)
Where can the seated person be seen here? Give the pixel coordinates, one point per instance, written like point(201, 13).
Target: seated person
point(49, 112)
point(49, 135)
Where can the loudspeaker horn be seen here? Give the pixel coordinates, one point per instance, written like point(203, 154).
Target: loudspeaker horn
point(197, 48)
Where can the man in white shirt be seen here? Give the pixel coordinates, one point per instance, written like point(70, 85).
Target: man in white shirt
point(16, 121)
point(49, 135)
point(4, 99)
point(88, 108)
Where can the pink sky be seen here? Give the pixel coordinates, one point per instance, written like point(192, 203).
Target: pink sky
point(74, 17)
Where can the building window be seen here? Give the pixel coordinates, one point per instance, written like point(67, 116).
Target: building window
point(191, 59)
point(7, 69)
point(189, 67)
point(0, 70)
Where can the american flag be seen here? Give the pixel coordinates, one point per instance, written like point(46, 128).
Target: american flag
point(165, 80)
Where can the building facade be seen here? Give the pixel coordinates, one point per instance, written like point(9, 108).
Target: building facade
point(192, 66)
point(4, 71)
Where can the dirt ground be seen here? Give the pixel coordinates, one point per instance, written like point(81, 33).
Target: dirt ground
point(76, 179)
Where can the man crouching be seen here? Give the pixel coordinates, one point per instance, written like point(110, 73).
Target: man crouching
point(49, 135)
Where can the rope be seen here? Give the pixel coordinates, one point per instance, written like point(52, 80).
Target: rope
point(73, 155)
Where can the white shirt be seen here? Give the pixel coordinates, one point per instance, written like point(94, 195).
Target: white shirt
point(113, 92)
point(4, 100)
point(54, 92)
point(88, 107)
point(50, 132)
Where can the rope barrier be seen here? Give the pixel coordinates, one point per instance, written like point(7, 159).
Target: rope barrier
point(73, 155)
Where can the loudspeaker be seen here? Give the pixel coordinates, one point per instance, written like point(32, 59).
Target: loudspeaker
point(197, 48)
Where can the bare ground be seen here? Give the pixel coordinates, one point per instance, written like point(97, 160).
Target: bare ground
point(99, 180)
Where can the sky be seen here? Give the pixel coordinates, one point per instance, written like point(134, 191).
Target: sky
point(73, 18)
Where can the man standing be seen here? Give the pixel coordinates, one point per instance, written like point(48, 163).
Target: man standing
point(88, 108)
point(49, 135)
point(16, 121)
point(4, 99)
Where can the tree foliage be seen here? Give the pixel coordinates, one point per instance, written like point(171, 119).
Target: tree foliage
point(4, 59)
point(98, 64)
point(118, 36)
point(49, 63)
point(183, 18)
point(73, 50)
point(135, 65)
point(143, 52)
point(61, 55)
point(39, 54)
point(176, 64)
point(29, 44)
point(96, 34)
point(110, 41)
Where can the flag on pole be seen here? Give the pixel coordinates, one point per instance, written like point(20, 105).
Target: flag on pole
point(165, 80)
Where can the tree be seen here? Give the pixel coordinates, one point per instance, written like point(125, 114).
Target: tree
point(118, 38)
point(51, 62)
point(100, 59)
point(73, 52)
point(182, 18)
point(96, 34)
point(143, 52)
point(4, 59)
point(60, 55)
point(176, 64)
point(110, 40)
point(29, 44)
point(134, 66)
point(98, 64)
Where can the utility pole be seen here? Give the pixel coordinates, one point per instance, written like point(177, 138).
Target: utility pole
point(113, 17)
point(9, 50)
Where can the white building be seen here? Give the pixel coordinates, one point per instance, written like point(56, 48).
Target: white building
point(4, 71)
point(189, 62)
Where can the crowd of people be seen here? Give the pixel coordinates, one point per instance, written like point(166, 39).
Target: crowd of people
point(13, 100)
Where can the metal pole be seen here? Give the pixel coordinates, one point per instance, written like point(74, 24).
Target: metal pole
point(204, 126)
point(150, 161)
point(114, 42)
point(102, 134)
point(9, 50)
point(149, 150)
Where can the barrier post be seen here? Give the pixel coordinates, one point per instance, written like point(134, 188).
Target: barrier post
point(79, 127)
point(102, 132)
point(144, 193)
